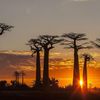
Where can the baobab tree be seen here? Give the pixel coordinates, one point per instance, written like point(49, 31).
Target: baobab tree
point(47, 42)
point(17, 75)
point(4, 27)
point(22, 75)
point(74, 41)
point(87, 58)
point(97, 43)
point(36, 48)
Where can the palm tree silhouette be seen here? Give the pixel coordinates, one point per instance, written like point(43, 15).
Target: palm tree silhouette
point(36, 48)
point(87, 58)
point(47, 42)
point(73, 41)
point(4, 27)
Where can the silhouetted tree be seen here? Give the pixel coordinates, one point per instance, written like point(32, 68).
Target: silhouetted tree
point(54, 83)
point(36, 48)
point(97, 43)
point(17, 74)
point(22, 74)
point(87, 58)
point(3, 84)
point(14, 83)
point(73, 41)
point(4, 27)
point(47, 42)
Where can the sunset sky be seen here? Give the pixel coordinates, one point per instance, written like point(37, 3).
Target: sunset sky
point(31, 18)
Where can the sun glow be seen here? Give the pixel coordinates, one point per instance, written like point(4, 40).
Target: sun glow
point(81, 83)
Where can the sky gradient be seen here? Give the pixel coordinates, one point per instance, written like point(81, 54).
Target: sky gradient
point(31, 18)
point(36, 17)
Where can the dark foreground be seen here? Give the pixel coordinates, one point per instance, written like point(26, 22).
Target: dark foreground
point(45, 95)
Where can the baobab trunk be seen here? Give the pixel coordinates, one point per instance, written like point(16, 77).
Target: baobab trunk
point(17, 80)
point(76, 74)
point(38, 73)
point(22, 79)
point(23, 74)
point(46, 68)
point(85, 74)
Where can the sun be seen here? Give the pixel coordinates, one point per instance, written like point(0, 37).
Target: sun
point(81, 83)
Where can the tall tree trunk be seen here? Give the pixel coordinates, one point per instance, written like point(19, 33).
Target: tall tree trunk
point(18, 79)
point(76, 74)
point(46, 68)
point(38, 73)
point(22, 79)
point(85, 74)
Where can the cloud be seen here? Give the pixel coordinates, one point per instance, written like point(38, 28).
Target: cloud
point(15, 60)
point(25, 68)
point(21, 60)
point(16, 52)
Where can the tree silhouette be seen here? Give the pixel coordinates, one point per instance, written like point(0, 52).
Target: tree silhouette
point(17, 74)
point(4, 27)
point(3, 84)
point(97, 43)
point(22, 74)
point(73, 42)
point(87, 58)
point(14, 83)
point(47, 42)
point(36, 48)
point(54, 83)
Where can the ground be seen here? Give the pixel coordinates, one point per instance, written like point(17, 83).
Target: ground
point(48, 95)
